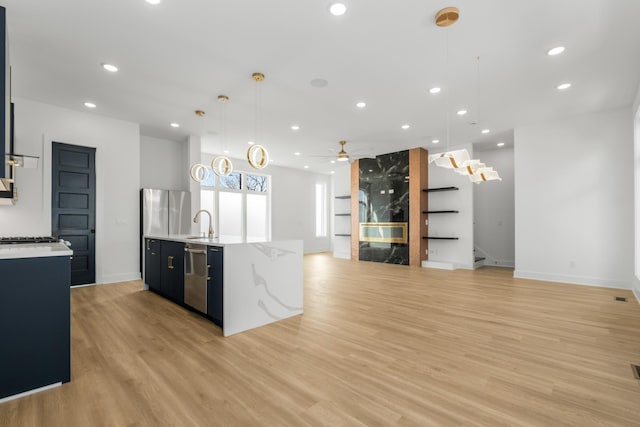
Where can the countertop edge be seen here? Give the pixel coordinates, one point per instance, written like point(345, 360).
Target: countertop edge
point(34, 250)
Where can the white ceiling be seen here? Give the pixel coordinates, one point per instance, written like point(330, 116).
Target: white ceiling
point(179, 56)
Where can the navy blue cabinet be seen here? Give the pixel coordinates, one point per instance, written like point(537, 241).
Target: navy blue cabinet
point(35, 323)
point(172, 270)
point(152, 264)
point(214, 284)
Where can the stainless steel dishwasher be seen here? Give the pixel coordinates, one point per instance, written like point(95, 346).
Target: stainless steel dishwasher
point(195, 276)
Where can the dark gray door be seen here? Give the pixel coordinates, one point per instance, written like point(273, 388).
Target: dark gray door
point(73, 206)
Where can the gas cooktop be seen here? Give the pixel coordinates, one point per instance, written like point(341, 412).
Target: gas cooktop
point(25, 239)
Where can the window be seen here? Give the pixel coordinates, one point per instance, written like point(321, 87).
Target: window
point(257, 183)
point(233, 181)
point(241, 206)
point(321, 211)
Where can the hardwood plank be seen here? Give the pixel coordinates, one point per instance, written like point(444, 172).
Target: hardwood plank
point(378, 344)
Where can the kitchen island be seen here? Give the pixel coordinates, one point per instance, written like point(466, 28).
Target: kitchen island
point(248, 284)
point(35, 318)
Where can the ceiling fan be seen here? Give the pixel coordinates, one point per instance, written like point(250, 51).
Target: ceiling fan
point(343, 156)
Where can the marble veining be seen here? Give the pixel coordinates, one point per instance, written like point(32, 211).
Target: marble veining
point(384, 198)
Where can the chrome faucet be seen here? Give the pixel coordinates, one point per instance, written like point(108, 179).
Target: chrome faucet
point(195, 219)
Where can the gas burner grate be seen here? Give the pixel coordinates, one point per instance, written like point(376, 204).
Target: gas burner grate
point(27, 239)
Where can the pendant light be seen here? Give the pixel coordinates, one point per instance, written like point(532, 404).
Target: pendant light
point(199, 172)
point(257, 155)
point(448, 159)
point(222, 165)
point(470, 167)
point(484, 174)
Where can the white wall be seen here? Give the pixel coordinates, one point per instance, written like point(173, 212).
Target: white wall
point(493, 206)
point(341, 186)
point(458, 253)
point(293, 213)
point(117, 146)
point(162, 164)
point(574, 200)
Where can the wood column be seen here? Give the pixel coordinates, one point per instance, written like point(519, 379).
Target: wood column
point(418, 203)
point(355, 210)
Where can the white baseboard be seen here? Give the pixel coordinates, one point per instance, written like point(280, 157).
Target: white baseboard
point(574, 280)
point(27, 393)
point(635, 287)
point(439, 264)
point(122, 277)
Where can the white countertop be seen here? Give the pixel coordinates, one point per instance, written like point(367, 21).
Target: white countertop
point(34, 250)
point(186, 238)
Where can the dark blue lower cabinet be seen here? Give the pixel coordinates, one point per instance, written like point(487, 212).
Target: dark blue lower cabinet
point(35, 323)
point(153, 264)
point(214, 285)
point(172, 270)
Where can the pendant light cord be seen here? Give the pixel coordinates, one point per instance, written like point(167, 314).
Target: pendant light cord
point(478, 90)
point(448, 89)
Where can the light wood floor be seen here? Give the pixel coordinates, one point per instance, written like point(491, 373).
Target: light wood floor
point(378, 345)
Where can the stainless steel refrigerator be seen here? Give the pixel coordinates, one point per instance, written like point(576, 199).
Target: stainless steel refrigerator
point(164, 212)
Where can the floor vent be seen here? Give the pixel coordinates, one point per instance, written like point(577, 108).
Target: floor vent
point(636, 371)
point(623, 299)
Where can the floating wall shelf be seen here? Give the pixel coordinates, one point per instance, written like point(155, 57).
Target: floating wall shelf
point(343, 214)
point(438, 212)
point(343, 197)
point(342, 234)
point(441, 238)
point(433, 190)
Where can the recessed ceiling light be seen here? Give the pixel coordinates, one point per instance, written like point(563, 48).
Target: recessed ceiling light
point(174, 125)
point(333, 172)
point(306, 166)
point(435, 141)
point(500, 144)
point(90, 105)
point(405, 127)
point(153, 1)
point(297, 153)
point(486, 130)
point(434, 90)
point(555, 51)
point(226, 151)
point(361, 104)
point(250, 142)
point(564, 86)
point(270, 160)
point(332, 161)
point(318, 82)
point(109, 67)
point(462, 112)
point(295, 127)
point(370, 170)
point(337, 9)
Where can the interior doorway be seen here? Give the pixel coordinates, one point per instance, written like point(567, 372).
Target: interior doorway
point(73, 206)
point(494, 209)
